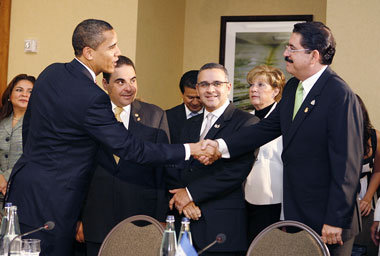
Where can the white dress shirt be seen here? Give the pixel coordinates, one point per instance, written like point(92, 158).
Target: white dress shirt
point(124, 115)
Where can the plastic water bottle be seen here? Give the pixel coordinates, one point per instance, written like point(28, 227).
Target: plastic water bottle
point(3, 228)
point(169, 240)
point(185, 226)
point(12, 230)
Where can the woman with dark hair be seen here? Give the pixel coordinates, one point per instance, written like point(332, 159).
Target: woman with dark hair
point(14, 102)
point(369, 179)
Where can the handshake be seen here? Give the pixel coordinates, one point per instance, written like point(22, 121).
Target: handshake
point(205, 151)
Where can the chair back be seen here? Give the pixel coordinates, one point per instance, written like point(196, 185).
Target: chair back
point(127, 238)
point(275, 242)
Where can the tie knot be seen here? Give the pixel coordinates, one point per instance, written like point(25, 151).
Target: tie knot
point(118, 110)
point(193, 114)
point(209, 116)
point(300, 86)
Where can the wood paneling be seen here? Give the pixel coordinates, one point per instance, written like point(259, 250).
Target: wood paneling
point(5, 15)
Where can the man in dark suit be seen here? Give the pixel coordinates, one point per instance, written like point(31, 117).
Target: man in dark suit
point(67, 118)
point(122, 189)
point(215, 191)
point(190, 107)
point(320, 120)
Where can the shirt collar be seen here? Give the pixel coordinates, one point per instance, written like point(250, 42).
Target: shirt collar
point(310, 81)
point(218, 112)
point(188, 111)
point(89, 69)
point(127, 108)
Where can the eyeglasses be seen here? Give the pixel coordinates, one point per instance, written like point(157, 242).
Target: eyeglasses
point(216, 84)
point(289, 49)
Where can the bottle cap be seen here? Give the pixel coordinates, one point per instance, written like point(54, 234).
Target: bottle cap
point(170, 218)
point(185, 220)
point(8, 204)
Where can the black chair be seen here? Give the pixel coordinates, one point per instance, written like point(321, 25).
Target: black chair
point(274, 241)
point(129, 237)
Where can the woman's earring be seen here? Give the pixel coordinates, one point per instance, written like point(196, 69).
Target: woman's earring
point(9, 99)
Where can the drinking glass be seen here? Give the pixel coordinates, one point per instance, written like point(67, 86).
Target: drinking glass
point(30, 247)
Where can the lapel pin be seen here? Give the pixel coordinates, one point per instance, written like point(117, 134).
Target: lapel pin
point(217, 126)
point(312, 102)
point(138, 119)
point(136, 115)
point(306, 109)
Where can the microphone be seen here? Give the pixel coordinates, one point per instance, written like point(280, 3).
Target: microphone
point(47, 226)
point(220, 238)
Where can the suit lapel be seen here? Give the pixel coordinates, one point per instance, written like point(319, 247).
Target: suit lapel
point(135, 116)
point(221, 122)
point(7, 125)
point(311, 100)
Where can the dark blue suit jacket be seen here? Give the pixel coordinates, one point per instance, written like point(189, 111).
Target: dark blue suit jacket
point(217, 188)
point(68, 117)
point(322, 152)
point(119, 191)
point(176, 120)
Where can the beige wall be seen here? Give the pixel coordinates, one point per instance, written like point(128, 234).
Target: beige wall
point(159, 54)
point(52, 24)
point(355, 25)
point(202, 26)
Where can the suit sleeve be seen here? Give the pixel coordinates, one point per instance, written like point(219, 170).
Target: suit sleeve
point(101, 124)
point(228, 177)
point(345, 148)
point(255, 135)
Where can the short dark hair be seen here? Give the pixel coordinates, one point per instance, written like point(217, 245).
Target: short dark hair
point(6, 104)
point(189, 79)
point(123, 60)
point(89, 33)
point(317, 36)
point(212, 65)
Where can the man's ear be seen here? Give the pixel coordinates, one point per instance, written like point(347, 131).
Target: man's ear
point(87, 52)
point(105, 84)
point(315, 57)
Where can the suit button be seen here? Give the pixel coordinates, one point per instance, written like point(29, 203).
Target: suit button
point(6, 155)
point(7, 139)
point(191, 169)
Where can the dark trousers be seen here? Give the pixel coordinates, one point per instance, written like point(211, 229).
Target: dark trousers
point(92, 249)
point(260, 217)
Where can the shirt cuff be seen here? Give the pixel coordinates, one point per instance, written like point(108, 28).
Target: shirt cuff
point(223, 148)
point(188, 193)
point(187, 151)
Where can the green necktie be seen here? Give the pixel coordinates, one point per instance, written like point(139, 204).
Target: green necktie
point(299, 99)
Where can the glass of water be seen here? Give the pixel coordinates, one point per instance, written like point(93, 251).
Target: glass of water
point(30, 247)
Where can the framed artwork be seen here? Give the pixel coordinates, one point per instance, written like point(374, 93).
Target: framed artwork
point(248, 41)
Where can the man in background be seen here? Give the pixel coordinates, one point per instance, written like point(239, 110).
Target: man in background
point(120, 189)
point(190, 107)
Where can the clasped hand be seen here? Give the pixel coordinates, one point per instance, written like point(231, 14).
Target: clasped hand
point(205, 151)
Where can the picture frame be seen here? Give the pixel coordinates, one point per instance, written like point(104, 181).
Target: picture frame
point(248, 41)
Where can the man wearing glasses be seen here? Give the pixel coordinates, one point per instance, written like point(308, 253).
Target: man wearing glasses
point(321, 124)
point(214, 193)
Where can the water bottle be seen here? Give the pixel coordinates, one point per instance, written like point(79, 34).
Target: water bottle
point(169, 240)
point(185, 226)
point(3, 228)
point(12, 230)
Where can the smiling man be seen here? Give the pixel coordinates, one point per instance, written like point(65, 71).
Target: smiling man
point(120, 189)
point(213, 194)
point(321, 123)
